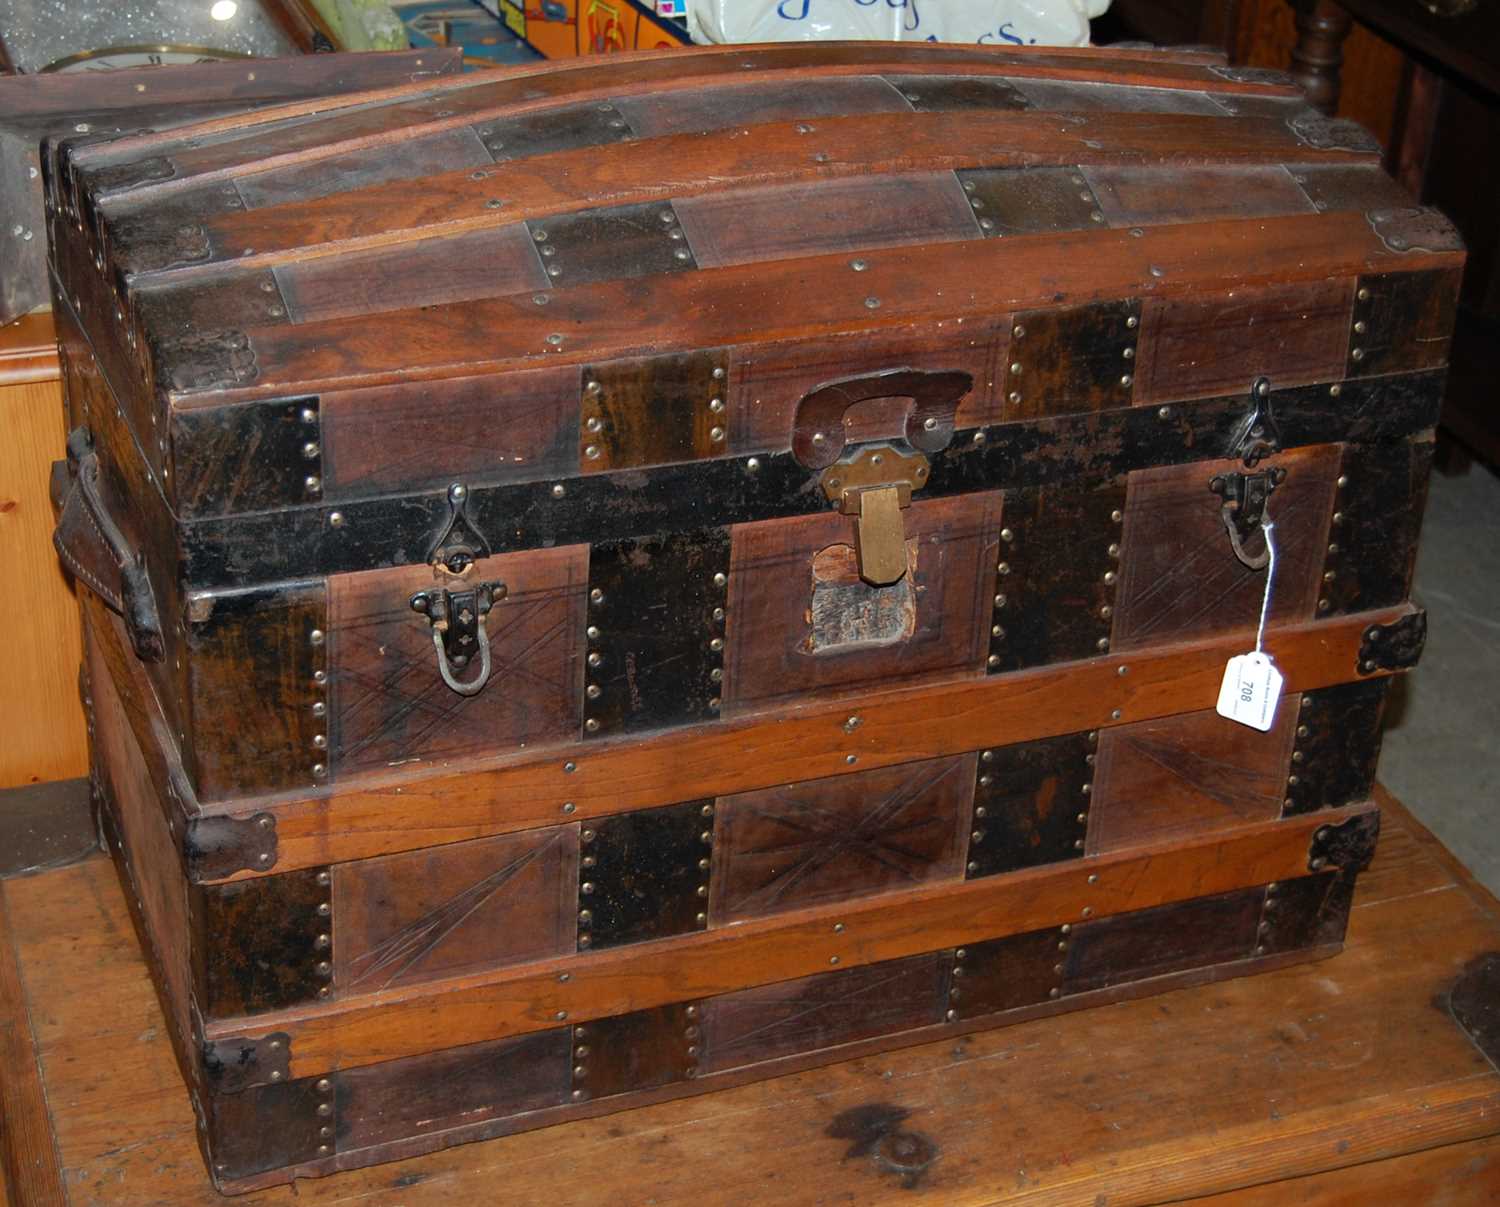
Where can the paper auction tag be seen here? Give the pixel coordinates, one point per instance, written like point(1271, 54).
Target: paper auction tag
point(1250, 691)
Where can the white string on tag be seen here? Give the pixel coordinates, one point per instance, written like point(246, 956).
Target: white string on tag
point(1251, 687)
point(1265, 600)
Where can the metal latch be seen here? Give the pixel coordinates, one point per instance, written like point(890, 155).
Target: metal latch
point(1244, 508)
point(457, 619)
point(461, 543)
point(876, 486)
point(1258, 434)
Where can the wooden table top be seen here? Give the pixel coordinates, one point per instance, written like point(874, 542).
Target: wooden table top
point(1344, 1081)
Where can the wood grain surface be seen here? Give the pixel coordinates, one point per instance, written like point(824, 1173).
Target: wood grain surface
point(1334, 1084)
point(40, 713)
point(521, 791)
point(395, 1023)
point(29, 1169)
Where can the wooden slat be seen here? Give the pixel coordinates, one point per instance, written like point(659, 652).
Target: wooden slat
point(805, 298)
point(29, 1167)
point(358, 819)
point(1045, 1111)
point(40, 714)
point(536, 86)
point(689, 165)
point(395, 1023)
point(1451, 1175)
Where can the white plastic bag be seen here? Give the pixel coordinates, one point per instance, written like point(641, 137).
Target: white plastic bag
point(989, 22)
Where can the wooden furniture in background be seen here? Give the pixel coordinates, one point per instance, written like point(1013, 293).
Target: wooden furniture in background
point(41, 717)
point(1428, 87)
point(1264, 33)
point(1444, 147)
point(1344, 1081)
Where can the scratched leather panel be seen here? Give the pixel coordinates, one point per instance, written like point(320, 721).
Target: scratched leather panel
point(835, 839)
point(448, 910)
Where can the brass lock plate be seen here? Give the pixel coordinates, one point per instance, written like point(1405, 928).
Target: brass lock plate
point(875, 486)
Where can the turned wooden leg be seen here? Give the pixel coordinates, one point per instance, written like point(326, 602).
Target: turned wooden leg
point(1322, 27)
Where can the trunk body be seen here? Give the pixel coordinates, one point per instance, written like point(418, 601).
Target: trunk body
point(613, 579)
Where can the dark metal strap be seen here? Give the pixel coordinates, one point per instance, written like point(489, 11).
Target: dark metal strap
point(96, 551)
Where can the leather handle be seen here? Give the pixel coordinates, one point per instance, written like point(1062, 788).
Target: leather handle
point(818, 427)
point(97, 552)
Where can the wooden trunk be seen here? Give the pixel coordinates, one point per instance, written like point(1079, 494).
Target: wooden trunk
point(615, 579)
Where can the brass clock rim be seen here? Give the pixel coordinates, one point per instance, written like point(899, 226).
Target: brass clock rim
point(100, 52)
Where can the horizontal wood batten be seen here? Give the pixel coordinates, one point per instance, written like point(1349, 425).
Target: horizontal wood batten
point(442, 804)
point(394, 1024)
point(665, 71)
point(710, 1082)
point(814, 296)
point(700, 164)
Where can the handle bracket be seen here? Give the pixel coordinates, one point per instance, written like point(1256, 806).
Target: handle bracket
point(458, 632)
